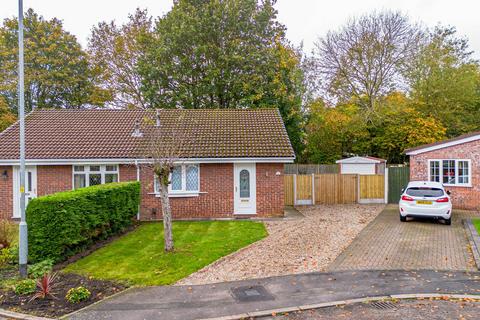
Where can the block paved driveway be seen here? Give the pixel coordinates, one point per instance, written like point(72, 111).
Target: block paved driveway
point(388, 244)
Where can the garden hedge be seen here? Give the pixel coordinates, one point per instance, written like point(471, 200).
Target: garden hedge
point(63, 224)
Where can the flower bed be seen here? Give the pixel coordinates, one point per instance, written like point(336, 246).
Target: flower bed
point(56, 305)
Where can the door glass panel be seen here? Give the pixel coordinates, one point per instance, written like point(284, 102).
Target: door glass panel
point(95, 179)
point(29, 181)
point(244, 184)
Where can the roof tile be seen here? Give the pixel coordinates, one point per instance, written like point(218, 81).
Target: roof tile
point(107, 134)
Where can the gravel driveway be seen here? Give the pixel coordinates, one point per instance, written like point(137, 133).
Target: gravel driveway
point(304, 245)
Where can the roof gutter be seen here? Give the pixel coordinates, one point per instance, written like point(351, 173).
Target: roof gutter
point(15, 162)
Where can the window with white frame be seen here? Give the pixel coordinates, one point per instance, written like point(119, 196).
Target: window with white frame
point(183, 179)
point(91, 175)
point(450, 171)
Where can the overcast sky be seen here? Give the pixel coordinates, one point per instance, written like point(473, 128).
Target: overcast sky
point(305, 19)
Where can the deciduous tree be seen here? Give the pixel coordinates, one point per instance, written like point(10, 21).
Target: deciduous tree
point(57, 72)
point(223, 54)
point(445, 82)
point(7, 118)
point(366, 58)
point(115, 51)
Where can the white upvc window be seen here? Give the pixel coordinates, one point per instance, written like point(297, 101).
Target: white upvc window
point(184, 180)
point(91, 175)
point(450, 172)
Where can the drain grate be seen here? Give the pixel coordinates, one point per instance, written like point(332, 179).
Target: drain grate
point(251, 293)
point(383, 305)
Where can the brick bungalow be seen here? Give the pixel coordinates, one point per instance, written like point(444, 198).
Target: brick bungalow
point(232, 166)
point(455, 163)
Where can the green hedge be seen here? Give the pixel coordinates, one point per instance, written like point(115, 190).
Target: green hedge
point(63, 224)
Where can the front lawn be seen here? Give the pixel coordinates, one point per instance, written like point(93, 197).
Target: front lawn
point(476, 223)
point(139, 259)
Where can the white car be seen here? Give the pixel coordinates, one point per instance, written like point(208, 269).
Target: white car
point(425, 199)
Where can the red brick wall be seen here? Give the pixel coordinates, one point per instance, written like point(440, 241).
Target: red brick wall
point(6, 193)
point(52, 179)
point(127, 172)
point(216, 198)
point(462, 197)
point(214, 201)
point(270, 190)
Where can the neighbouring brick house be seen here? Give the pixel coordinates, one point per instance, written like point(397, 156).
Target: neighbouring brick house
point(233, 164)
point(455, 163)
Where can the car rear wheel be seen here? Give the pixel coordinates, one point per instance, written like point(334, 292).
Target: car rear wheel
point(448, 221)
point(403, 219)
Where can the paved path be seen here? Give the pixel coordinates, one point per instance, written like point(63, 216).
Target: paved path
point(386, 243)
point(406, 309)
point(240, 297)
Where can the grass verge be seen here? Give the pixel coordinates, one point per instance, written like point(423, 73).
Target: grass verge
point(138, 258)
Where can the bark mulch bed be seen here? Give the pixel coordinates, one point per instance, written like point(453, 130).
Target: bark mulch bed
point(58, 306)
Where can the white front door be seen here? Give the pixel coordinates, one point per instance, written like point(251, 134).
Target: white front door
point(245, 188)
point(30, 187)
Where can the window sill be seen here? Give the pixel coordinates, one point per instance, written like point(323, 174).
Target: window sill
point(458, 185)
point(180, 194)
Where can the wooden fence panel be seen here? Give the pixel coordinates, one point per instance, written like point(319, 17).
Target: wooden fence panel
point(372, 187)
point(289, 190)
point(333, 188)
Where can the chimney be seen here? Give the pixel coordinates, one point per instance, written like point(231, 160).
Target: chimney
point(158, 118)
point(136, 131)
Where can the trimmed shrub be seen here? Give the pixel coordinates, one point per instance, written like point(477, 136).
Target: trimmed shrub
point(76, 295)
point(66, 223)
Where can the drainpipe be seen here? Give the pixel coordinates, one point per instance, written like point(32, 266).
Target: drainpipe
point(138, 179)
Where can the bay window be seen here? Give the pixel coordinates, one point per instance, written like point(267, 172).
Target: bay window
point(184, 179)
point(91, 175)
point(454, 172)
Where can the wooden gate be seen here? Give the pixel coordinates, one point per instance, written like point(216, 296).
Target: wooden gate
point(304, 189)
point(398, 178)
point(335, 188)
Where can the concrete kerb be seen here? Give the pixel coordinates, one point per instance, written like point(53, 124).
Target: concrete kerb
point(474, 240)
point(279, 311)
point(66, 316)
point(20, 316)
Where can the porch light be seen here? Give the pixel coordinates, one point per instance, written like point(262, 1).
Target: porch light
point(5, 175)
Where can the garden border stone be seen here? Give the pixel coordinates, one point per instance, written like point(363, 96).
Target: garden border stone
point(474, 239)
point(21, 316)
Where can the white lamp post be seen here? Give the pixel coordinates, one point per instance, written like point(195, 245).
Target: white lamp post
point(23, 234)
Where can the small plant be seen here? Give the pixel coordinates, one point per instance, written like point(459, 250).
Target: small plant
point(45, 286)
point(25, 287)
point(8, 234)
point(39, 269)
point(6, 256)
point(76, 295)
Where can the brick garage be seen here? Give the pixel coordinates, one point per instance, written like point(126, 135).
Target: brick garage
point(235, 166)
point(458, 162)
